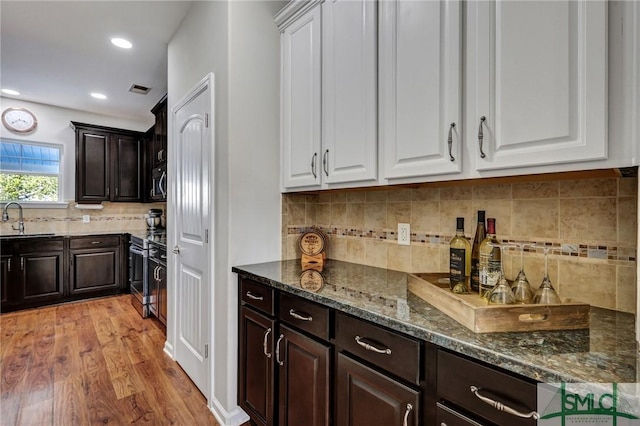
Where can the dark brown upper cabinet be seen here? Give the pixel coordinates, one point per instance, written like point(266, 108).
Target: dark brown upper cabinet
point(109, 164)
point(158, 145)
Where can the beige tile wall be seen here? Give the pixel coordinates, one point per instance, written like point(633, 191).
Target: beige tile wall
point(113, 217)
point(591, 225)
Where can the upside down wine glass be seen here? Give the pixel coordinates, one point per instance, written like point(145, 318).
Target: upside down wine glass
point(521, 287)
point(546, 294)
point(501, 294)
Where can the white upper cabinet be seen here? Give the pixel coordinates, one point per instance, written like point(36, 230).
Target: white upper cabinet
point(537, 72)
point(420, 88)
point(301, 101)
point(349, 83)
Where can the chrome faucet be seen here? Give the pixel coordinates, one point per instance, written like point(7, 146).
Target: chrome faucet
point(5, 217)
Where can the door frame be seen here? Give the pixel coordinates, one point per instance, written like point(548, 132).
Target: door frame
point(169, 348)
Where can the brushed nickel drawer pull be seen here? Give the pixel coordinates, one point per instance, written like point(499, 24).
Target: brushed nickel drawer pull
point(300, 317)
point(253, 296)
point(501, 407)
point(278, 350)
point(313, 165)
point(95, 242)
point(264, 343)
point(406, 414)
point(372, 348)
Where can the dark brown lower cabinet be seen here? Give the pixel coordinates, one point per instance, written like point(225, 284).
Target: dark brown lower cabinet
point(256, 366)
point(304, 379)
point(95, 265)
point(42, 276)
point(367, 397)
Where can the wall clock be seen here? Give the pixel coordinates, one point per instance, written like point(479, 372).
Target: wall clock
point(19, 120)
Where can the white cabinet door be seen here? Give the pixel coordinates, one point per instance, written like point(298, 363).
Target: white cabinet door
point(301, 103)
point(349, 110)
point(420, 87)
point(537, 71)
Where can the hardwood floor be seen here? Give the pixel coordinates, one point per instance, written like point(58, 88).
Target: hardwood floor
point(92, 362)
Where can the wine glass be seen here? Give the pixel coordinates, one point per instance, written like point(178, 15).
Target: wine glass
point(501, 293)
point(546, 294)
point(521, 288)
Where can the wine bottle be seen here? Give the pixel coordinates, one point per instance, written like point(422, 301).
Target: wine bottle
point(490, 260)
point(459, 260)
point(481, 234)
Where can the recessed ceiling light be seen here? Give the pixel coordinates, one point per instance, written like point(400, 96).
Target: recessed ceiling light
point(120, 42)
point(10, 92)
point(99, 95)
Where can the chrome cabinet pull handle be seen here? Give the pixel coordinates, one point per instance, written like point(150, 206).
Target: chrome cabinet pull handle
point(372, 348)
point(325, 162)
point(313, 165)
point(9, 265)
point(253, 296)
point(22, 263)
point(406, 414)
point(278, 350)
point(95, 242)
point(450, 141)
point(264, 343)
point(300, 317)
point(501, 407)
point(481, 136)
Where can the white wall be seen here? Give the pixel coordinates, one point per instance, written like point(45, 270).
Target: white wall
point(53, 127)
point(239, 43)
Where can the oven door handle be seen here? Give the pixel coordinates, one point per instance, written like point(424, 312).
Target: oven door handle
point(137, 251)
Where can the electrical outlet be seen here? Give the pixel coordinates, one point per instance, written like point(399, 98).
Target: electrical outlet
point(404, 234)
point(86, 218)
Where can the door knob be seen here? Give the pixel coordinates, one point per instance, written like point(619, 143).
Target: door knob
point(176, 249)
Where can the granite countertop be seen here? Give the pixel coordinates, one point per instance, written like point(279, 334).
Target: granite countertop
point(143, 233)
point(606, 352)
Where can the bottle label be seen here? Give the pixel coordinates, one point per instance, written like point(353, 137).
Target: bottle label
point(456, 266)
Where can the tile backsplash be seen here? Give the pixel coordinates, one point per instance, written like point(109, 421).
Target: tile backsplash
point(591, 225)
point(113, 217)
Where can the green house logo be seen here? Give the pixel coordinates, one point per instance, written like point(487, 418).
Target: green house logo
point(594, 404)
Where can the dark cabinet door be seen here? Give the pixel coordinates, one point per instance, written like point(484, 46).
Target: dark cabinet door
point(41, 277)
point(95, 271)
point(7, 286)
point(162, 293)
point(304, 379)
point(127, 168)
point(159, 143)
point(257, 366)
point(153, 286)
point(367, 397)
point(93, 159)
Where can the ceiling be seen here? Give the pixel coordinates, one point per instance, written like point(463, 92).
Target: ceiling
point(58, 52)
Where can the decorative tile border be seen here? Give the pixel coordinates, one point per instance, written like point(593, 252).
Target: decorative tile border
point(578, 250)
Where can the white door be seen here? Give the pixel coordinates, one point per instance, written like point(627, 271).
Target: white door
point(301, 68)
point(537, 72)
point(192, 131)
point(420, 87)
point(349, 87)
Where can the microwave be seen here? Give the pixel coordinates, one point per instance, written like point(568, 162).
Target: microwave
point(159, 183)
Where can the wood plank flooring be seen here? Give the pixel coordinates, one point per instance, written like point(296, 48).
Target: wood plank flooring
point(93, 362)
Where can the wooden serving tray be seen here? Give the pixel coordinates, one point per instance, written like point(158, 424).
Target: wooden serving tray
point(474, 313)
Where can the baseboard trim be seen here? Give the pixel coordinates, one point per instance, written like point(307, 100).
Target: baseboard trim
point(225, 418)
point(168, 349)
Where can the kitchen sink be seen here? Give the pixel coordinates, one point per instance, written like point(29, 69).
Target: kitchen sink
point(34, 235)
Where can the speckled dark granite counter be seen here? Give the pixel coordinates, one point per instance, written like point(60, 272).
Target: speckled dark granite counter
point(607, 352)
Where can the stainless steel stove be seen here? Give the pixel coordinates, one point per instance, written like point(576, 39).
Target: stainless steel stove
point(139, 267)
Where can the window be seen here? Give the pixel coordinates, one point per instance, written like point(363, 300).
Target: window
point(30, 171)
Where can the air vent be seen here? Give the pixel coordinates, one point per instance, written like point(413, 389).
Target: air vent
point(138, 88)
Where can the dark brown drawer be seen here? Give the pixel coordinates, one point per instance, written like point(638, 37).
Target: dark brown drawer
point(449, 417)
point(257, 295)
point(96, 241)
point(457, 376)
point(385, 349)
point(41, 245)
point(305, 315)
